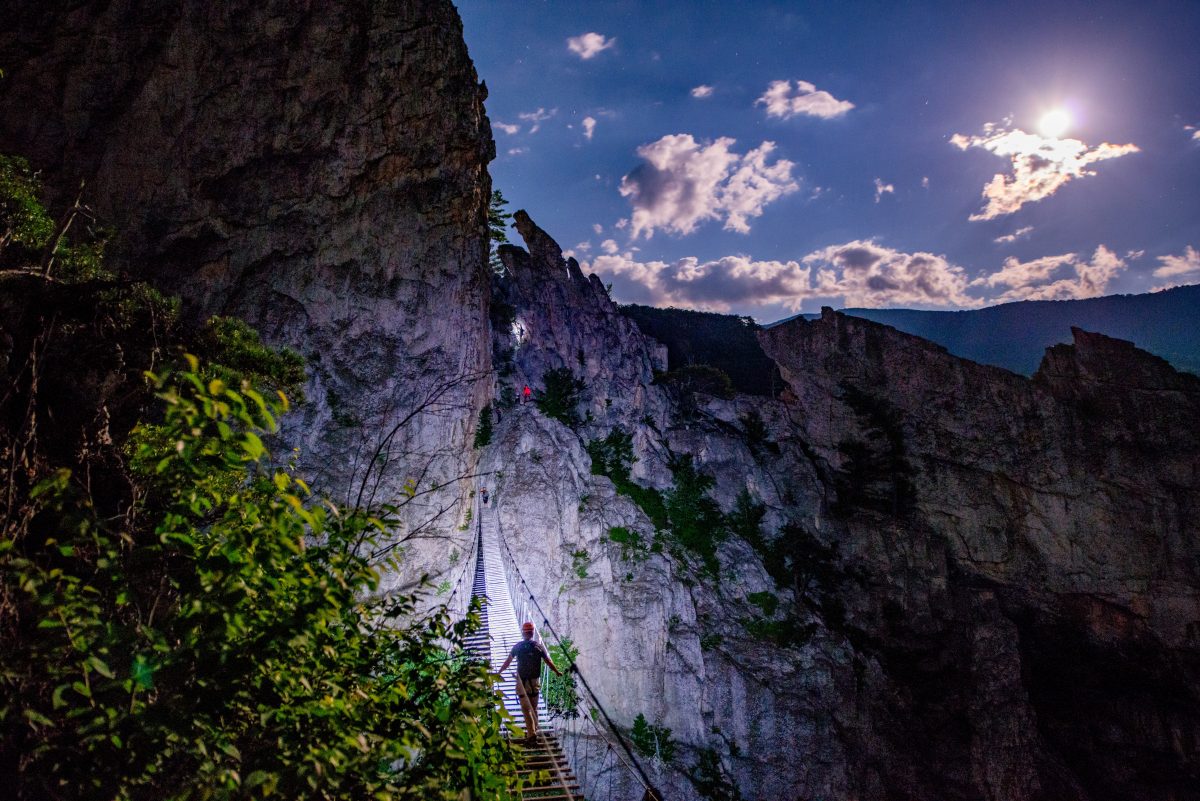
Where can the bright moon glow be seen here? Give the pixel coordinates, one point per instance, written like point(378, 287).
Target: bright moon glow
point(1055, 123)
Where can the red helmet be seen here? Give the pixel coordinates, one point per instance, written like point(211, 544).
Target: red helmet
point(527, 627)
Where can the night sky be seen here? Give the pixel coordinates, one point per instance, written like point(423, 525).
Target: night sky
point(765, 158)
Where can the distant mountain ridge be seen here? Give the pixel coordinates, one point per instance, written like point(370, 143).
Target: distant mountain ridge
point(1015, 335)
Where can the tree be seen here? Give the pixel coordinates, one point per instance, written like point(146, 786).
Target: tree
point(498, 218)
point(23, 218)
point(483, 431)
point(223, 638)
point(561, 395)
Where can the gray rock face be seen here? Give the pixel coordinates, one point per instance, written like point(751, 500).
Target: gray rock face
point(318, 169)
point(1016, 610)
point(987, 586)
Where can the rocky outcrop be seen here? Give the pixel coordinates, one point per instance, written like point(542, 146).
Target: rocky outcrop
point(928, 579)
point(1013, 606)
point(317, 169)
point(1035, 612)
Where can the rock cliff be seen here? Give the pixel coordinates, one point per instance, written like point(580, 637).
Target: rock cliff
point(908, 576)
point(964, 583)
point(318, 169)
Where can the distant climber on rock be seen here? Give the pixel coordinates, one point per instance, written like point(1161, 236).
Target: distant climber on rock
point(529, 655)
point(526, 393)
point(483, 493)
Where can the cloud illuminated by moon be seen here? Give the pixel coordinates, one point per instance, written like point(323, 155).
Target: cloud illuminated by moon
point(1041, 165)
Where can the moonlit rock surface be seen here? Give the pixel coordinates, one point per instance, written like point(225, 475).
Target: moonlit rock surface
point(318, 169)
point(1029, 632)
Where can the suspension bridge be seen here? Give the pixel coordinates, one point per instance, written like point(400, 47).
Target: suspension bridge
point(577, 749)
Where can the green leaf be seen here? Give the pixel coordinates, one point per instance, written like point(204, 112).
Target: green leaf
point(100, 667)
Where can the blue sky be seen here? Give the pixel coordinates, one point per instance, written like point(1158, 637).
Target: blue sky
point(767, 157)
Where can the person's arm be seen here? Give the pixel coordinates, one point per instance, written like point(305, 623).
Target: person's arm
point(548, 661)
point(508, 661)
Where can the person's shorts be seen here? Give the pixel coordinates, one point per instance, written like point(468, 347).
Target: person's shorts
point(529, 687)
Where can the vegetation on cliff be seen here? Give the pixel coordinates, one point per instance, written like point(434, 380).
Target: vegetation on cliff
point(181, 616)
point(723, 342)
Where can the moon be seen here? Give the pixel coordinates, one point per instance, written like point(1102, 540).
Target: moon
point(1054, 123)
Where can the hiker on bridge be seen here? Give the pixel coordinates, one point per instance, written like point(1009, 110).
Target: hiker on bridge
point(529, 655)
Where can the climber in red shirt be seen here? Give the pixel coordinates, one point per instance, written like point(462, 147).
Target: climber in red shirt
point(526, 393)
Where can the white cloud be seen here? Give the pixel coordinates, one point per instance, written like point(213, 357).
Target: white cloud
point(702, 91)
point(583, 247)
point(589, 127)
point(925, 182)
point(1066, 277)
point(882, 189)
point(1194, 130)
point(860, 273)
point(1008, 239)
point(807, 99)
point(516, 151)
point(536, 118)
point(1040, 165)
point(598, 228)
point(621, 224)
point(683, 183)
point(507, 127)
point(867, 274)
point(589, 45)
point(1180, 270)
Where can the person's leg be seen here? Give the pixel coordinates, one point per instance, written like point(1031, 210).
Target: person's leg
point(532, 689)
point(528, 710)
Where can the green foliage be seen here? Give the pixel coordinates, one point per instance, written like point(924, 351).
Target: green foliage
point(235, 353)
point(28, 227)
point(483, 431)
point(652, 741)
point(711, 641)
point(756, 433)
point(633, 547)
point(697, 378)
point(724, 341)
point(745, 519)
point(222, 639)
point(342, 416)
point(696, 521)
point(875, 474)
point(580, 559)
point(23, 219)
point(766, 601)
point(789, 631)
point(710, 780)
point(560, 692)
point(814, 574)
point(613, 457)
point(561, 396)
point(498, 217)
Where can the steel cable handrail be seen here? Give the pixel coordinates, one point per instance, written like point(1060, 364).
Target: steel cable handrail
point(640, 773)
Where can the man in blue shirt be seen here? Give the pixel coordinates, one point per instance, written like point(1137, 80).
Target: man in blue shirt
point(529, 655)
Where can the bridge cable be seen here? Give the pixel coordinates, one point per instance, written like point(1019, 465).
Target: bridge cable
point(644, 778)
